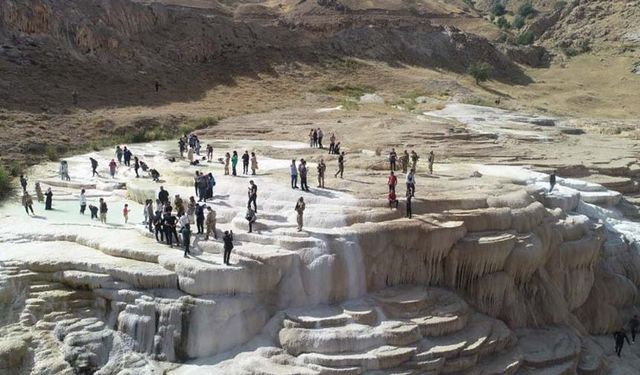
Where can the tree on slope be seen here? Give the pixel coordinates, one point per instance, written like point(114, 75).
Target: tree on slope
point(480, 72)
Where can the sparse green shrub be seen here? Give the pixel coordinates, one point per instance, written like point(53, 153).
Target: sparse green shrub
point(14, 169)
point(526, 38)
point(52, 152)
point(518, 22)
point(5, 183)
point(354, 91)
point(502, 23)
point(480, 72)
point(498, 9)
point(526, 10)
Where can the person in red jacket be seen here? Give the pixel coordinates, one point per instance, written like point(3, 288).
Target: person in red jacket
point(393, 200)
point(392, 182)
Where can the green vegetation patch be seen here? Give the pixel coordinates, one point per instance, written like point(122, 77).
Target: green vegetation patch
point(353, 91)
point(5, 183)
point(526, 38)
point(480, 72)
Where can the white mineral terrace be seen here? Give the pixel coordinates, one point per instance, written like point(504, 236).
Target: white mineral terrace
point(521, 281)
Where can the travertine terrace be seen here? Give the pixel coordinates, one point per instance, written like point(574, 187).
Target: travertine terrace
point(492, 275)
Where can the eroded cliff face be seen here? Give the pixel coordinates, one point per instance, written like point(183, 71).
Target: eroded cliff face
point(51, 48)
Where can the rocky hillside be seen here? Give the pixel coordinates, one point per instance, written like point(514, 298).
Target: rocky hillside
point(114, 51)
point(584, 26)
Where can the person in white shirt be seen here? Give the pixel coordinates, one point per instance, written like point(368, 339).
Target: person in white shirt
point(83, 202)
point(411, 182)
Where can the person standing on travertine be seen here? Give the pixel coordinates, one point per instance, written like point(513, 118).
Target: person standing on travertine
point(340, 165)
point(619, 336)
point(322, 167)
point(228, 246)
point(393, 157)
point(411, 182)
point(245, 162)
point(293, 171)
point(404, 161)
point(103, 211)
point(252, 193)
point(392, 181)
point(211, 224)
point(414, 160)
point(300, 206)
point(320, 136)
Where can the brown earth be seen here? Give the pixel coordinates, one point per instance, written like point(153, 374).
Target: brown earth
point(217, 59)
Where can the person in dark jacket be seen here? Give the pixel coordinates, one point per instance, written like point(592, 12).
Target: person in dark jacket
point(157, 226)
point(48, 200)
point(94, 167)
point(169, 224)
point(245, 162)
point(552, 181)
point(211, 183)
point(393, 157)
point(620, 336)
point(23, 183)
point(228, 246)
point(200, 218)
point(127, 156)
point(253, 195)
point(136, 165)
point(94, 211)
point(163, 195)
point(119, 154)
point(186, 239)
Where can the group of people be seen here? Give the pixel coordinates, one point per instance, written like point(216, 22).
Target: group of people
point(408, 163)
point(27, 200)
point(315, 141)
point(165, 224)
point(231, 160)
point(300, 172)
point(408, 160)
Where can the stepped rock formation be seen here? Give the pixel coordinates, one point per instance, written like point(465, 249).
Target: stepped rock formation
point(504, 278)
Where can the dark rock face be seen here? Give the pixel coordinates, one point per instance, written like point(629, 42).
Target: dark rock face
point(533, 56)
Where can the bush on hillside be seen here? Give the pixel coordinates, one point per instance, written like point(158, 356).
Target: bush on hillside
point(526, 38)
point(5, 183)
point(518, 22)
point(498, 9)
point(480, 72)
point(502, 23)
point(526, 10)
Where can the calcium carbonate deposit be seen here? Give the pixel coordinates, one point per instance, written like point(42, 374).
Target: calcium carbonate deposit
point(493, 274)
